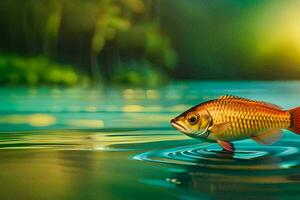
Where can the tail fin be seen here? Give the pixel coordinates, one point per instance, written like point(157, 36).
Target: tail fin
point(295, 120)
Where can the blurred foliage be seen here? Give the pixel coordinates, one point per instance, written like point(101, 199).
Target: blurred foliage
point(153, 45)
point(138, 73)
point(89, 34)
point(207, 39)
point(228, 39)
point(32, 71)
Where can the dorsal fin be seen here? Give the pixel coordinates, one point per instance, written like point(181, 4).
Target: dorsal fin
point(228, 96)
point(241, 99)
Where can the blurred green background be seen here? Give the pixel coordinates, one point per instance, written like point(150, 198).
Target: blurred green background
point(147, 42)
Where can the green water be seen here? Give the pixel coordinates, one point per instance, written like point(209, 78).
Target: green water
point(116, 143)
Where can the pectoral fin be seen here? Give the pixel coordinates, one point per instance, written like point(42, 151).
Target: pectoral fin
point(226, 145)
point(268, 137)
point(220, 128)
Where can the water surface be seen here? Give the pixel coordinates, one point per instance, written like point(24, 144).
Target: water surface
point(116, 143)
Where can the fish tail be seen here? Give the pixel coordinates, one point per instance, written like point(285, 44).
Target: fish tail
point(295, 120)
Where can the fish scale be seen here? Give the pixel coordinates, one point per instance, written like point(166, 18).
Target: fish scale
point(246, 118)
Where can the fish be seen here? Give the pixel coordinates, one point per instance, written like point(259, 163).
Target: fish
point(232, 118)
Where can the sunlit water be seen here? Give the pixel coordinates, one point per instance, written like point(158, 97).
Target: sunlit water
point(116, 143)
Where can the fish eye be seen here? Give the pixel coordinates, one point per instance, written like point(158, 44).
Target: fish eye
point(193, 119)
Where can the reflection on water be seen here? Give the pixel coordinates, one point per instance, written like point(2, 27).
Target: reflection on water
point(90, 123)
point(31, 119)
point(118, 144)
point(260, 172)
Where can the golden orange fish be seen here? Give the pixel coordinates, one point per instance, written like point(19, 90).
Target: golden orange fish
point(231, 118)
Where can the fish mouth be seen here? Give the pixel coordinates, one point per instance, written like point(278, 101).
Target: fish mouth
point(178, 126)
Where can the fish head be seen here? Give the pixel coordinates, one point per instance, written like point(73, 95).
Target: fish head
point(194, 122)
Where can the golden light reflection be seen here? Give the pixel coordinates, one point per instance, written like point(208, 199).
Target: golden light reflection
point(37, 119)
point(154, 109)
point(41, 120)
point(13, 119)
point(138, 137)
point(130, 94)
point(152, 94)
point(128, 91)
point(87, 123)
point(112, 108)
point(132, 108)
point(179, 108)
point(90, 108)
point(155, 118)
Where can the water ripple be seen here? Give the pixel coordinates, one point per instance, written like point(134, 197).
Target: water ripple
point(247, 157)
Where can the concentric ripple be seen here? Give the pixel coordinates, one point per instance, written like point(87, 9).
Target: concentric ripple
point(248, 156)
